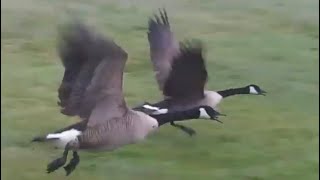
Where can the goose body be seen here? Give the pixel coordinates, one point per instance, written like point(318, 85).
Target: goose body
point(132, 128)
point(91, 88)
point(181, 73)
point(211, 98)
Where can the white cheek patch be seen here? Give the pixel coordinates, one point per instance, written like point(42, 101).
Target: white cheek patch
point(204, 114)
point(253, 90)
point(150, 107)
point(160, 111)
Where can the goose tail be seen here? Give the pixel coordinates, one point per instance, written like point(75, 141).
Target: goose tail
point(43, 138)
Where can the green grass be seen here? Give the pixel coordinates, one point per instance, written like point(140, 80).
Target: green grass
point(270, 43)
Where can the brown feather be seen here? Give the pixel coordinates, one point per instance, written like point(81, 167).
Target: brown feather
point(188, 75)
point(93, 71)
point(163, 46)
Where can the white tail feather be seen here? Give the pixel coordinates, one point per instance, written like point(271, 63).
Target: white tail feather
point(150, 107)
point(64, 137)
point(160, 111)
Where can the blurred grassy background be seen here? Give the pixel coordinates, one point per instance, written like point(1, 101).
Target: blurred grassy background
point(267, 42)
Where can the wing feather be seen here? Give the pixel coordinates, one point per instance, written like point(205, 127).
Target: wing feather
point(163, 46)
point(93, 73)
point(188, 75)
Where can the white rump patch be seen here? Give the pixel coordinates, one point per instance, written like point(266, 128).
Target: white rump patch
point(160, 111)
point(150, 107)
point(204, 114)
point(156, 110)
point(253, 90)
point(64, 137)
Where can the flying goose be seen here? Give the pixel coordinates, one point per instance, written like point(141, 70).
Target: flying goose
point(91, 88)
point(181, 73)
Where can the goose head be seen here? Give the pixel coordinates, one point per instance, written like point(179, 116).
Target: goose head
point(207, 112)
point(255, 89)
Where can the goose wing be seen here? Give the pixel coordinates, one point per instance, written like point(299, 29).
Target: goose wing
point(92, 83)
point(163, 46)
point(188, 75)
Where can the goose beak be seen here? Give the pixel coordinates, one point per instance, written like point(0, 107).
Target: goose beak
point(217, 115)
point(263, 93)
point(220, 114)
point(216, 119)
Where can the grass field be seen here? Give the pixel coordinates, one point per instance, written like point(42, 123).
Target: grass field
point(267, 42)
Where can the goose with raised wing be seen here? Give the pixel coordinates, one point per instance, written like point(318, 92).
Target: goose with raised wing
point(91, 88)
point(181, 73)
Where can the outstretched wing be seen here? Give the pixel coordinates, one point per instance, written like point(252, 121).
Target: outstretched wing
point(93, 74)
point(188, 75)
point(163, 46)
point(74, 48)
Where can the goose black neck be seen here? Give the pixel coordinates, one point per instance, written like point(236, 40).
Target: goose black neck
point(233, 91)
point(177, 116)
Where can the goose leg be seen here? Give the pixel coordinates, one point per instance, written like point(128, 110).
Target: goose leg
point(72, 164)
point(187, 130)
point(56, 164)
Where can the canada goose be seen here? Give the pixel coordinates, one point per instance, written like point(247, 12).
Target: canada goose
point(92, 89)
point(181, 73)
